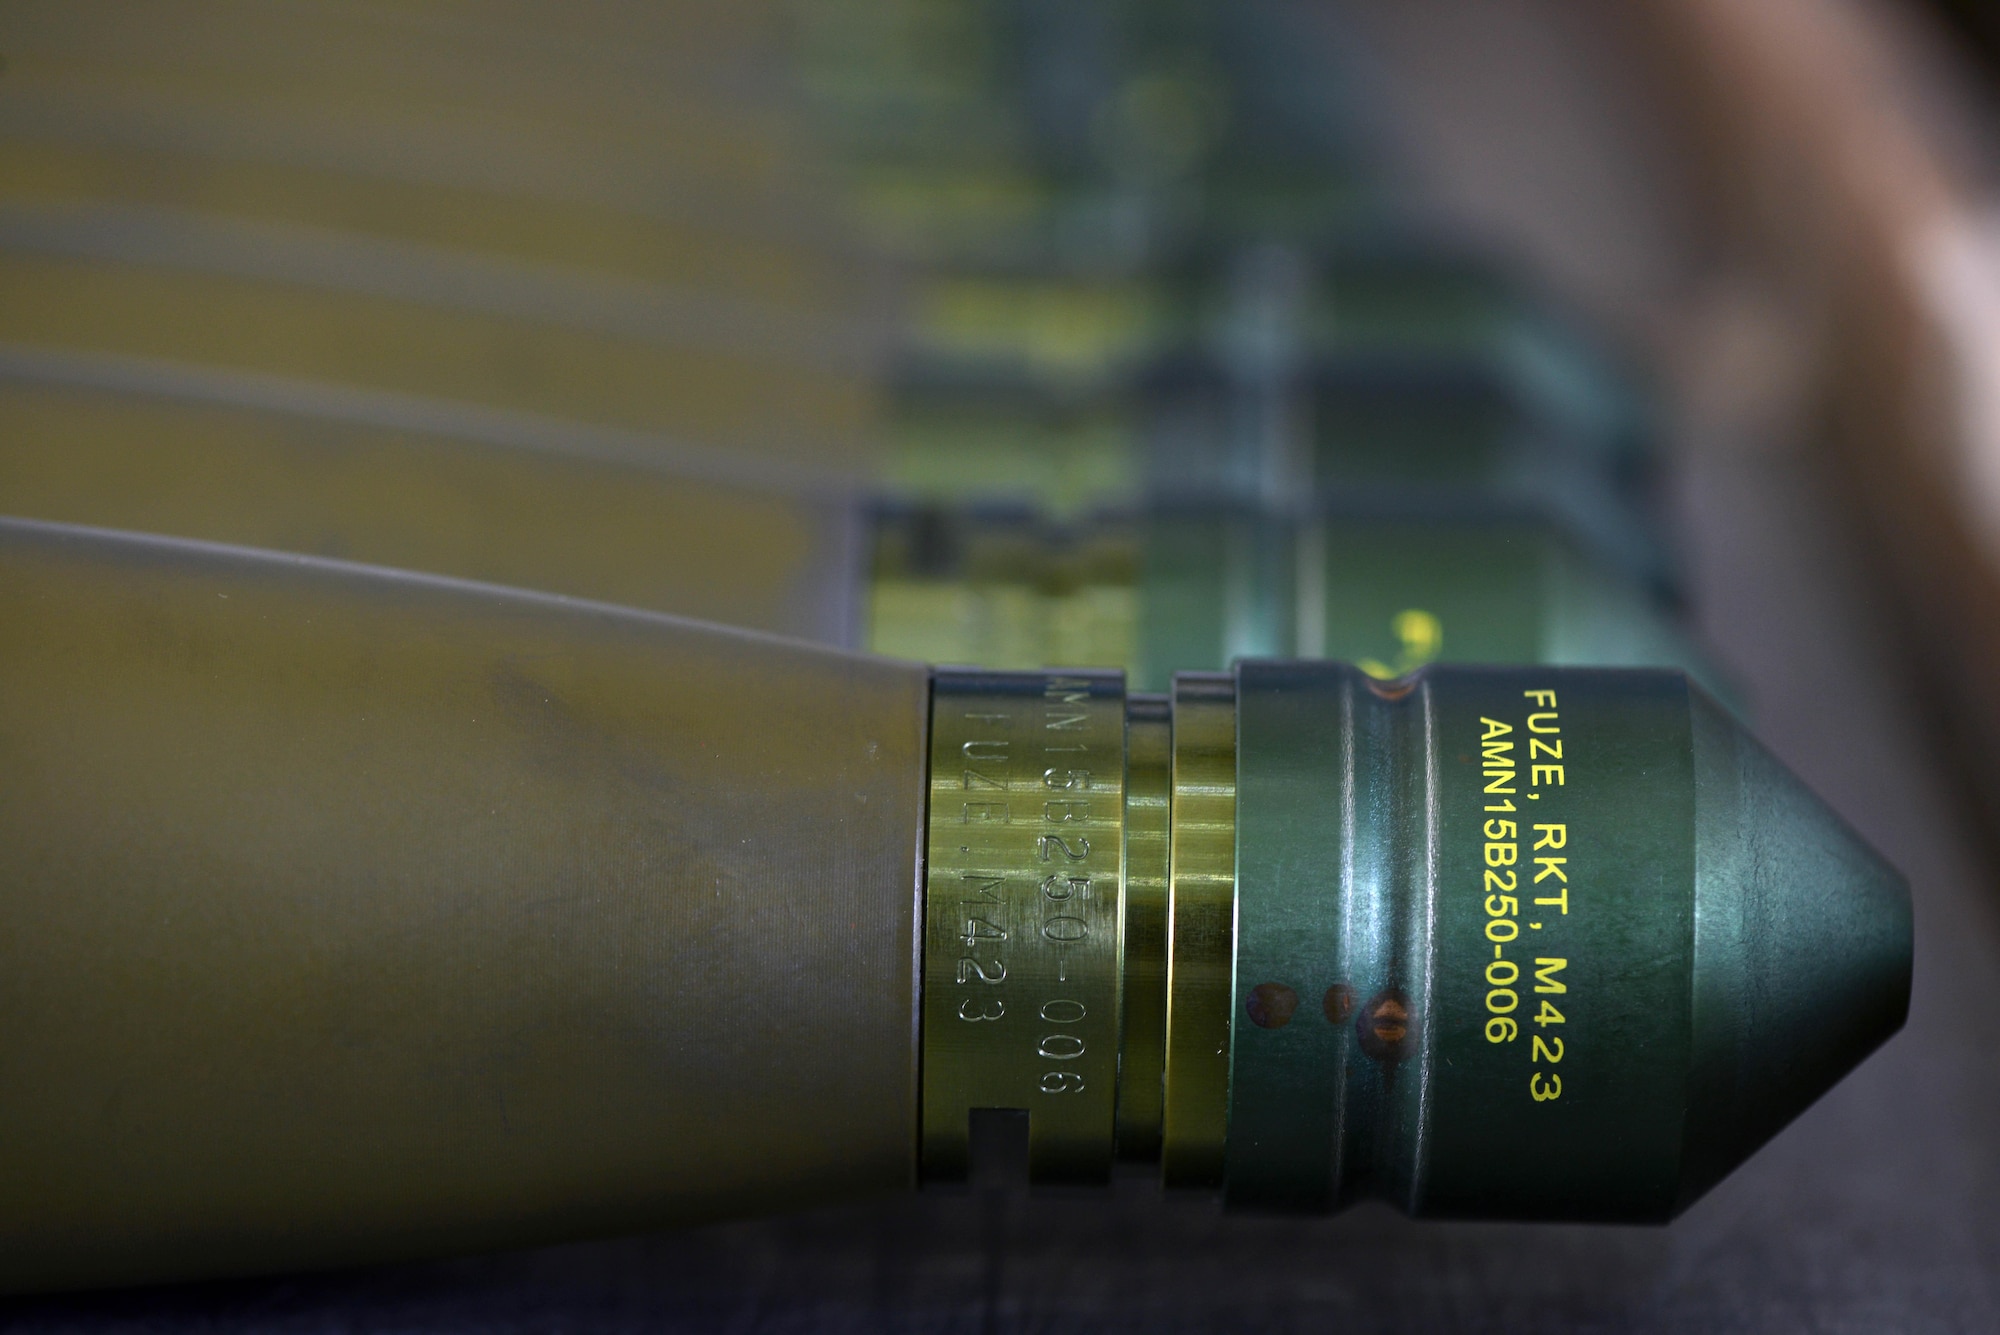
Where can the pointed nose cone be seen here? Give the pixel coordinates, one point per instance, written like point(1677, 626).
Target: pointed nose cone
point(1802, 950)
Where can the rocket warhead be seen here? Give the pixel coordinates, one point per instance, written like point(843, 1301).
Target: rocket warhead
point(355, 915)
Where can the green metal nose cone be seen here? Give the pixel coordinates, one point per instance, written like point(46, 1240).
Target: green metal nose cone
point(1584, 945)
point(1802, 949)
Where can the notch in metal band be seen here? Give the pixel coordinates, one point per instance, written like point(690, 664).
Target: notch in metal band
point(1022, 916)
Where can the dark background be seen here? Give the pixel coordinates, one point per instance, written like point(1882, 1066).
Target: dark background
point(1975, 24)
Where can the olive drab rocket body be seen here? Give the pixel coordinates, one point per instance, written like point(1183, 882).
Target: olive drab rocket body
point(493, 917)
point(354, 915)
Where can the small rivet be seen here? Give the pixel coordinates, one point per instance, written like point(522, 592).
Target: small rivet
point(1271, 1005)
point(1384, 1025)
point(1338, 1003)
